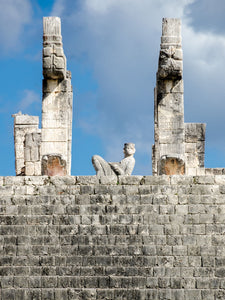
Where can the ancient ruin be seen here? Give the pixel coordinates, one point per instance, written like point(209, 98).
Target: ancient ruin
point(114, 236)
point(47, 151)
point(179, 147)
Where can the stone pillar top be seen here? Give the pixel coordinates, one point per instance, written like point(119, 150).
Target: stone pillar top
point(52, 30)
point(51, 26)
point(171, 31)
point(21, 119)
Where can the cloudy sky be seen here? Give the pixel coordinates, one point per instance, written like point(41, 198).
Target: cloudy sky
point(112, 51)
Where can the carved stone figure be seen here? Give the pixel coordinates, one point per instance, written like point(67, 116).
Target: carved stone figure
point(57, 98)
point(53, 164)
point(124, 167)
point(179, 146)
point(40, 151)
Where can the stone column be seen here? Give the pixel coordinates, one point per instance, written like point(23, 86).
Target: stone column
point(57, 96)
point(169, 149)
point(24, 127)
point(32, 146)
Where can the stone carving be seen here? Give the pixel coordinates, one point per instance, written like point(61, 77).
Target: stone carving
point(172, 166)
point(31, 143)
point(32, 147)
point(170, 61)
point(27, 151)
point(54, 60)
point(57, 95)
point(53, 164)
point(179, 147)
point(124, 167)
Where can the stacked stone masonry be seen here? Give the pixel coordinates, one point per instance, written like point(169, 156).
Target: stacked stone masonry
point(179, 147)
point(47, 151)
point(126, 237)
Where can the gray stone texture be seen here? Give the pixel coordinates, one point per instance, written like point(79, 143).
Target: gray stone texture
point(27, 144)
point(31, 143)
point(125, 237)
point(57, 95)
point(179, 147)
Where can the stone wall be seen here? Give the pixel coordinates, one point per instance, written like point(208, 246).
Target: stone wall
point(131, 237)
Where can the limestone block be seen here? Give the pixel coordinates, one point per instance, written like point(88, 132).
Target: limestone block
point(169, 66)
point(171, 103)
point(200, 145)
point(13, 180)
point(29, 168)
point(47, 62)
point(181, 180)
point(200, 171)
point(20, 119)
point(190, 148)
point(177, 148)
point(51, 122)
point(170, 86)
point(49, 104)
point(35, 154)
point(19, 166)
point(178, 54)
point(194, 132)
point(65, 85)
point(37, 168)
point(218, 171)
point(124, 179)
point(108, 179)
point(201, 159)
point(19, 149)
point(54, 66)
point(58, 51)
point(50, 85)
point(27, 156)
point(52, 147)
point(171, 40)
point(171, 27)
point(178, 86)
point(208, 171)
point(171, 138)
point(87, 179)
point(191, 171)
point(59, 62)
point(192, 160)
point(47, 51)
point(32, 146)
point(54, 134)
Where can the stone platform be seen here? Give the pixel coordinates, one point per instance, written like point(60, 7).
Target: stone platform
point(126, 237)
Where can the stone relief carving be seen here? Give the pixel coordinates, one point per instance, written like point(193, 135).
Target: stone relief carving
point(54, 60)
point(170, 62)
point(53, 164)
point(124, 167)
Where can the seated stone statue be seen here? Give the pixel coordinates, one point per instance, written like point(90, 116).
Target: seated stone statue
point(124, 167)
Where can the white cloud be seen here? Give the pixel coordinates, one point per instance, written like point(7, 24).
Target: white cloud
point(120, 41)
point(30, 98)
point(14, 15)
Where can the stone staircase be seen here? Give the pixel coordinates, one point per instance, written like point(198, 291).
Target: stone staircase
point(126, 237)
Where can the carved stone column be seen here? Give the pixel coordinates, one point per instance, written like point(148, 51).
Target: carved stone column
point(57, 95)
point(169, 149)
point(27, 155)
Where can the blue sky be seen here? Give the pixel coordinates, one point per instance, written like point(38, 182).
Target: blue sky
point(112, 49)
